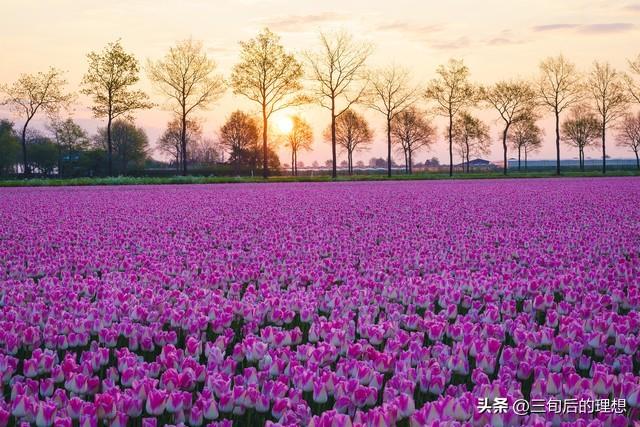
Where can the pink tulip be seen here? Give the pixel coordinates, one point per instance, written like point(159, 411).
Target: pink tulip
point(45, 414)
point(156, 402)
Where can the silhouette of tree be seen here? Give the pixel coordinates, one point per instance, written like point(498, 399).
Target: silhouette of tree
point(629, 134)
point(9, 148)
point(470, 136)
point(299, 138)
point(339, 70)
point(633, 85)
point(392, 94)
point(451, 92)
point(352, 133)
point(514, 100)
point(411, 131)
point(268, 75)
point(239, 135)
point(31, 93)
point(186, 77)
point(69, 137)
point(130, 144)
point(608, 92)
point(581, 130)
point(108, 81)
point(170, 142)
point(526, 137)
point(559, 87)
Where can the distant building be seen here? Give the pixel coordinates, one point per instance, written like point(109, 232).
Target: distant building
point(477, 164)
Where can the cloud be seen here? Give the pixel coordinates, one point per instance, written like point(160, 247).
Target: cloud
point(437, 37)
point(300, 22)
point(459, 43)
point(612, 27)
point(554, 27)
point(506, 37)
point(632, 7)
point(431, 35)
point(405, 27)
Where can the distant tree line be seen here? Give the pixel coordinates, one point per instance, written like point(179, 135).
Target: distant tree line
point(585, 106)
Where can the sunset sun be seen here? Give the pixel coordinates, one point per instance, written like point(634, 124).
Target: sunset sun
point(284, 124)
point(275, 212)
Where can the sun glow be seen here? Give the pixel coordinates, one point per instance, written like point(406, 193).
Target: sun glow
point(284, 124)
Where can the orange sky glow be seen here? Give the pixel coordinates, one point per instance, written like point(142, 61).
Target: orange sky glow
point(496, 39)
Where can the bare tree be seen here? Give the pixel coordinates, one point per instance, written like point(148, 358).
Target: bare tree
point(609, 95)
point(108, 81)
point(299, 138)
point(186, 77)
point(559, 87)
point(339, 70)
point(170, 141)
point(526, 137)
point(31, 93)
point(268, 75)
point(392, 94)
point(238, 136)
point(580, 130)
point(206, 152)
point(513, 100)
point(471, 136)
point(633, 84)
point(451, 92)
point(352, 133)
point(412, 132)
point(629, 134)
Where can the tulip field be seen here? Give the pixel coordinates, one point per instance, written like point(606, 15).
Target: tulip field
point(451, 303)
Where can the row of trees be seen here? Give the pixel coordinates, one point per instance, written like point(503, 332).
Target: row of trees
point(271, 77)
point(603, 93)
point(67, 148)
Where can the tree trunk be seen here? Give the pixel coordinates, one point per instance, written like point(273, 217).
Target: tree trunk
point(59, 160)
point(388, 146)
point(265, 160)
point(604, 149)
point(109, 148)
point(183, 140)
point(334, 171)
point(504, 147)
point(637, 160)
point(468, 162)
point(293, 168)
point(406, 162)
point(466, 154)
point(557, 142)
point(450, 144)
point(519, 150)
point(25, 166)
point(525, 158)
point(581, 157)
point(410, 162)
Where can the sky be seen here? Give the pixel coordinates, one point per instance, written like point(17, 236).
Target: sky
point(496, 39)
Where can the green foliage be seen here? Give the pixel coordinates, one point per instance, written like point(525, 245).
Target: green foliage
point(108, 82)
point(42, 153)
point(130, 145)
point(9, 148)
